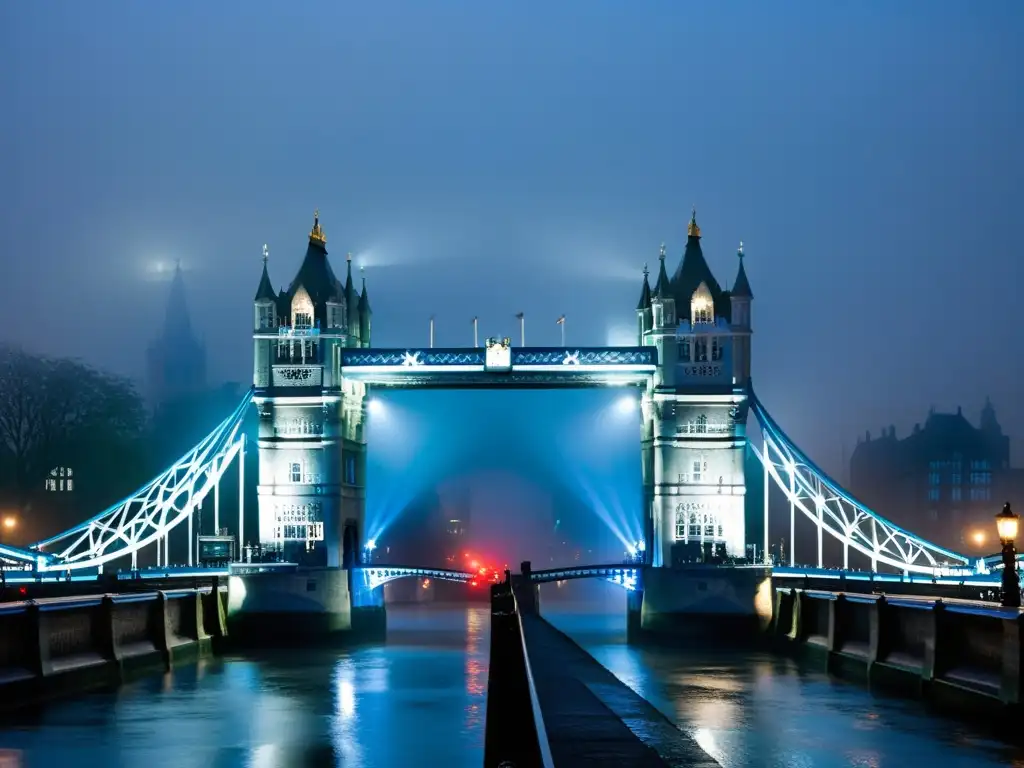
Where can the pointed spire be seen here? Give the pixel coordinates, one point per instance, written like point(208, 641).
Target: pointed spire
point(645, 293)
point(741, 288)
point(662, 289)
point(351, 298)
point(364, 299)
point(692, 230)
point(176, 319)
point(266, 289)
point(316, 235)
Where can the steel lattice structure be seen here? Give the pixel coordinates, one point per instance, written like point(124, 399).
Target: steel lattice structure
point(148, 515)
point(835, 512)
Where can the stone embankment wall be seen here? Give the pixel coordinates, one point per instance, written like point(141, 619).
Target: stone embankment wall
point(59, 646)
point(959, 653)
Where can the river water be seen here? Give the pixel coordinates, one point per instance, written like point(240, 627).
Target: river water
point(420, 701)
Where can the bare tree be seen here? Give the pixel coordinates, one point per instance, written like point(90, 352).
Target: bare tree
point(56, 411)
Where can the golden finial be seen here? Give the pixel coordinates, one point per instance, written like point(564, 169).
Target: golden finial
point(692, 230)
point(317, 234)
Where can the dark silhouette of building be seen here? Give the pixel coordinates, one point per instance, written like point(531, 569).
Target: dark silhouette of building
point(945, 481)
point(176, 358)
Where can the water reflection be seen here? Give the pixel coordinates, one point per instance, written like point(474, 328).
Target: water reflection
point(420, 699)
point(759, 711)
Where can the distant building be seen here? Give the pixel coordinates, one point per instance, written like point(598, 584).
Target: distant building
point(176, 358)
point(946, 480)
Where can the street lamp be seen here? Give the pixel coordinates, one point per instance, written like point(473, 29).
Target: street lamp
point(1007, 523)
point(10, 523)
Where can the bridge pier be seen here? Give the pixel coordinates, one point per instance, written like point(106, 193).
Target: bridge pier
point(302, 607)
point(700, 604)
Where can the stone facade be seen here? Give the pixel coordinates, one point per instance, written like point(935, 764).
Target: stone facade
point(312, 449)
point(694, 410)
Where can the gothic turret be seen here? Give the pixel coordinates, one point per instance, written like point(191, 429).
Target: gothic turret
point(364, 314)
point(352, 303)
point(643, 310)
point(663, 303)
point(266, 299)
point(739, 300)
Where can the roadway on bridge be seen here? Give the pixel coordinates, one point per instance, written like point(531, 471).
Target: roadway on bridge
point(421, 699)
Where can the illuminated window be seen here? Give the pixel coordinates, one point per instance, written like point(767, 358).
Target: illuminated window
point(702, 307)
point(61, 479)
point(296, 472)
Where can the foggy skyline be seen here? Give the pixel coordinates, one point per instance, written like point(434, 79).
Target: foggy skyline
point(486, 161)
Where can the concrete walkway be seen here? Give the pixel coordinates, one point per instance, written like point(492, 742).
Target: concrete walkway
point(592, 719)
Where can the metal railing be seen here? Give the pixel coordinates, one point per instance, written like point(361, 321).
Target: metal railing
point(511, 690)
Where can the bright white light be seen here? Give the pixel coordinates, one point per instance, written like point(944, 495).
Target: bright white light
point(641, 545)
point(375, 407)
point(627, 404)
point(631, 550)
point(371, 545)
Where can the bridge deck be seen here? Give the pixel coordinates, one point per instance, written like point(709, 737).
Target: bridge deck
point(591, 718)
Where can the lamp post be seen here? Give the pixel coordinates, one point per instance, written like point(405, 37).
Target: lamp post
point(1007, 523)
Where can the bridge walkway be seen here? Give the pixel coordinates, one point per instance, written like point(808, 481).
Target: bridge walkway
point(592, 720)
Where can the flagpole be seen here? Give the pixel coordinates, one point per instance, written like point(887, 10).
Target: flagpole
point(522, 329)
point(431, 331)
point(476, 339)
point(561, 322)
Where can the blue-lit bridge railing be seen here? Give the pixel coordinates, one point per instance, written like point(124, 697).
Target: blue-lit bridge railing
point(837, 513)
point(146, 517)
point(625, 576)
point(499, 363)
point(373, 576)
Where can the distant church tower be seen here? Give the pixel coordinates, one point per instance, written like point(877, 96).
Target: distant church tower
point(176, 360)
point(694, 413)
point(312, 448)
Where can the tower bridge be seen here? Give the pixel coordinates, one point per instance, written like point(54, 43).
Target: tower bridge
point(314, 366)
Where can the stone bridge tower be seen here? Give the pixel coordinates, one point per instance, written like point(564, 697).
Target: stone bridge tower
point(312, 448)
point(694, 412)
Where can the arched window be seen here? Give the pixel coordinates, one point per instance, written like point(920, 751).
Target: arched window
point(302, 309)
point(702, 306)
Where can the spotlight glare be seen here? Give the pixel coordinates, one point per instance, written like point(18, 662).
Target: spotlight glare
point(627, 404)
point(371, 545)
point(375, 406)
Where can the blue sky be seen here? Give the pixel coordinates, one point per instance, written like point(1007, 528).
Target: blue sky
point(484, 159)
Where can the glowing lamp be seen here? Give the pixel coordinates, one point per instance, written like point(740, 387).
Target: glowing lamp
point(978, 537)
point(641, 545)
point(371, 545)
point(10, 522)
point(1007, 523)
point(375, 407)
